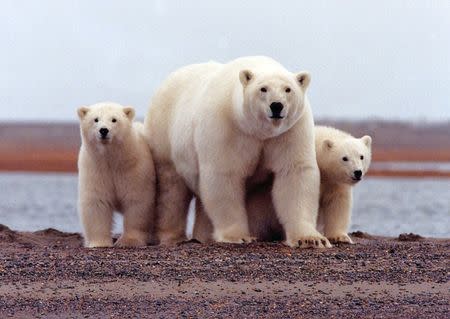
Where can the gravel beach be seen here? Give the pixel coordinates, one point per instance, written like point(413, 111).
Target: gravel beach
point(48, 274)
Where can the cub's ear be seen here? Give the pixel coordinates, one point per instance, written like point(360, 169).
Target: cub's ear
point(82, 111)
point(328, 144)
point(245, 76)
point(129, 112)
point(367, 140)
point(303, 79)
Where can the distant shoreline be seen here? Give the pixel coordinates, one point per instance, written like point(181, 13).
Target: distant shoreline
point(60, 160)
point(53, 147)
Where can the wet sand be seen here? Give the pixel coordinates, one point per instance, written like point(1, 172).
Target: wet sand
point(49, 274)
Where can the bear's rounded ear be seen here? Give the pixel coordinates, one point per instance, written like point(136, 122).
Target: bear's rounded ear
point(328, 144)
point(129, 112)
point(303, 79)
point(367, 140)
point(245, 76)
point(82, 111)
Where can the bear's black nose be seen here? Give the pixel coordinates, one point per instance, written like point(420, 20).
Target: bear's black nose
point(276, 108)
point(104, 131)
point(358, 174)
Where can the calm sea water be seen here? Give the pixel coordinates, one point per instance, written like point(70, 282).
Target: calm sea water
point(382, 206)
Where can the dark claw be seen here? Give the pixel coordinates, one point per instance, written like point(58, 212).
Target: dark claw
point(300, 243)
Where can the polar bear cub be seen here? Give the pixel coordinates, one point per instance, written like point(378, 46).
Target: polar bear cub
point(343, 161)
point(116, 173)
point(216, 128)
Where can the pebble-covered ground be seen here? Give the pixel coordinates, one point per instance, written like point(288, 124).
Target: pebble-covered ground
point(49, 274)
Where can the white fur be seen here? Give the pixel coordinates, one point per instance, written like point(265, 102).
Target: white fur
point(212, 135)
point(337, 178)
point(115, 174)
point(335, 190)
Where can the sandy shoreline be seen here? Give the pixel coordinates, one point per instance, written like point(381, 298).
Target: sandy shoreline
point(65, 161)
point(47, 273)
point(53, 147)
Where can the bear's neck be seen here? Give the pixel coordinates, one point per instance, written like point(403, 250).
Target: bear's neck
point(118, 153)
point(330, 182)
point(239, 116)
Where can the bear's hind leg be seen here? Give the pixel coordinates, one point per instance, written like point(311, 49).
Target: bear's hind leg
point(203, 229)
point(172, 204)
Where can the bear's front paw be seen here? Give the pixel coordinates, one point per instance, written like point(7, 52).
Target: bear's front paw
point(105, 243)
point(314, 241)
point(125, 241)
point(340, 238)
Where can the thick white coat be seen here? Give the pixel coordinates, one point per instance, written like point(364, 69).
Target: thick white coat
point(115, 174)
point(339, 155)
point(212, 135)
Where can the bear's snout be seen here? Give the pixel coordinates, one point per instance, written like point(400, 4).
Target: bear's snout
point(104, 132)
point(357, 174)
point(276, 108)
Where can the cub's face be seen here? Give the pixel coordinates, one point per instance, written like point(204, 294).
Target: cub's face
point(105, 123)
point(347, 161)
point(272, 103)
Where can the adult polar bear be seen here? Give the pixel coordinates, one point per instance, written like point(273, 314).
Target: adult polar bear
point(214, 129)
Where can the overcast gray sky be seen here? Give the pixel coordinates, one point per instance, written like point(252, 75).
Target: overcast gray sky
point(382, 58)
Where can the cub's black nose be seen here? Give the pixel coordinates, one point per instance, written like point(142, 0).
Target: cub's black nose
point(276, 108)
point(104, 131)
point(357, 174)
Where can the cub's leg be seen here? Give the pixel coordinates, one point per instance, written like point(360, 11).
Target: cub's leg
point(96, 218)
point(172, 204)
point(137, 219)
point(335, 212)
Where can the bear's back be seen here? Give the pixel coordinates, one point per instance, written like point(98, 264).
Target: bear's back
point(257, 64)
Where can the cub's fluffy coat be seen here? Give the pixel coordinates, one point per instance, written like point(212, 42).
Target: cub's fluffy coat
point(116, 173)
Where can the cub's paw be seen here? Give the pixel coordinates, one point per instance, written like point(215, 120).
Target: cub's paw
point(125, 241)
point(309, 242)
point(341, 238)
point(105, 243)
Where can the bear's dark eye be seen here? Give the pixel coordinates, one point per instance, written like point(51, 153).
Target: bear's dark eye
point(287, 90)
point(345, 158)
point(361, 157)
point(96, 120)
point(263, 89)
point(114, 120)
